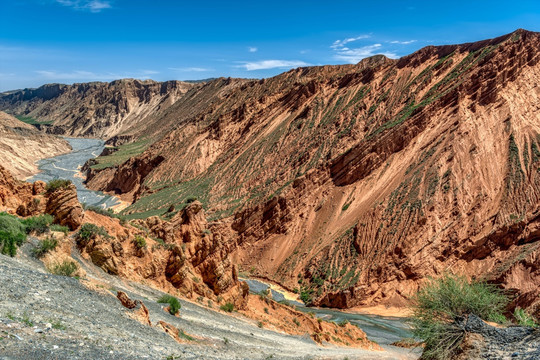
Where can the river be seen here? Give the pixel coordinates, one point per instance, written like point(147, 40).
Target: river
point(382, 329)
point(68, 166)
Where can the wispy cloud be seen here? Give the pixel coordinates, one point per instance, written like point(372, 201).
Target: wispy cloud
point(252, 49)
point(83, 75)
point(94, 6)
point(272, 64)
point(341, 43)
point(191, 69)
point(403, 42)
point(353, 55)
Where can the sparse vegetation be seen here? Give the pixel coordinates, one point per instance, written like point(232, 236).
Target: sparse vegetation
point(57, 325)
point(65, 268)
point(260, 324)
point(56, 184)
point(12, 234)
point(45, 246)
point(524, 319)
point(183, 335)
point(37, 224)
point(59, 228)
point(174, 304)
point(87, 231)
point(227, 307)
point(295, 320)
point(139, 242)
point(441, 302)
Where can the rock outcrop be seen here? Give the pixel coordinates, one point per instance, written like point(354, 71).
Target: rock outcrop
point(65, 207)
point(189, 256)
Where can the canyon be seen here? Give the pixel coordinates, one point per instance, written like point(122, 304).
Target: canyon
point(349, 185)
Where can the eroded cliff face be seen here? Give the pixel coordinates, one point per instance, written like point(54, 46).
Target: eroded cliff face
point(94, 109)
point(21, 146)
point(185, 256)
point(353, 183)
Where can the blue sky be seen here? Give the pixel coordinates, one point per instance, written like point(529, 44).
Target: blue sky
point(67, 41)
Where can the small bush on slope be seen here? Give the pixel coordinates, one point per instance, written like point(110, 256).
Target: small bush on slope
point(44, 247)
point(38, 224)
point(441, 302)
point(56, 184)
point(174, 304)
point(12, 234)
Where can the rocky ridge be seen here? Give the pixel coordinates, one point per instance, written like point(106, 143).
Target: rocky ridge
point(94, 109)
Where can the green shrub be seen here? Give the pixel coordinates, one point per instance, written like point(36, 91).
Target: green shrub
point(12, 234)
point(109, 212)
point(88, 231)
point(524, 319)
point(227, 307)
point(174, 304)
point(37, 224)
point(44, 247)
point(66, 268)
point(441, 302)
point(139, 242)
point(191, 199)
point(59, 228)
point(56, 184)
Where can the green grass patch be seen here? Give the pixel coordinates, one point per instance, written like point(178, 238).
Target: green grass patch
point(524, 319)
point(12, 234)
point(174, 304)
point(228, 307)
point(56, 184)
point(37, 224)
point(32, 121)
point(122, 154)
point(44, 247)
point(59, 228)
point(65, 268)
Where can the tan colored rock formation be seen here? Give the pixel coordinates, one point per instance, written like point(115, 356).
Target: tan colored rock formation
point(21, 146)
point(65, 207)
point(191, 259)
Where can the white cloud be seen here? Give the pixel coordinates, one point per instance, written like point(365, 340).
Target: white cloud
point(191, 69)
point(252, 49)
point(403, 42)
point(94, 6)
point(272, 64)
point(354, 55)
point(82, 75)
point(341, 43)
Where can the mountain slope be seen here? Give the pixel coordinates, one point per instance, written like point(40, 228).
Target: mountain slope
point(21, 145)
point(352, 183)
point(94, 109)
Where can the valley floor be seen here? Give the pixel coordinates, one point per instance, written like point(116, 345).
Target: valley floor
point(98, 327)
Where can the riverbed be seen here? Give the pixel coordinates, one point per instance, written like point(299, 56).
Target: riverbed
point(68, 166)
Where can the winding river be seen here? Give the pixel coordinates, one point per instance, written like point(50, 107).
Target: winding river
point(68, 166)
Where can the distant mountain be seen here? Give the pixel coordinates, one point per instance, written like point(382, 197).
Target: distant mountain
point(95, 109)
